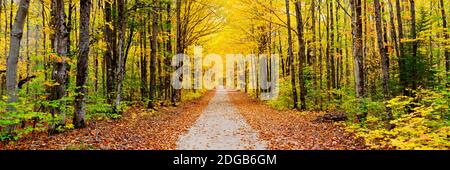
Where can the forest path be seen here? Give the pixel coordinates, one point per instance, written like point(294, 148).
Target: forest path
point(220, 127)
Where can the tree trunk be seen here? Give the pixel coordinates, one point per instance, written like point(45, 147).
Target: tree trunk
point(301, 55)
point(153, 56)
point(110, 63)
point(357, 47)
point(82, 65)
point(121, 57)
point(176, 96)
point(446, 36)
point(168, 49)
point(382, 49)
point(393, 31)
point(333, 50)
point(313, 51)
point(328, 52)
point(44, 38)
point(12, 60)
point(401, 58)
point(320, 59)
point(144, 83)
point(59, 73)
point(291, 57)
point(414, 44)
point(27, 44)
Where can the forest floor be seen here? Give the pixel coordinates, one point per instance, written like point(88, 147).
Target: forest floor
point(138, 129)
point(293, 130)
point(220, 119)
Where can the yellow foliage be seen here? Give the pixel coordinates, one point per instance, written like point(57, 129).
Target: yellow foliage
point(424, 126)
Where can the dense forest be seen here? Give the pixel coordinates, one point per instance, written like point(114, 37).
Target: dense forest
point(382, 66)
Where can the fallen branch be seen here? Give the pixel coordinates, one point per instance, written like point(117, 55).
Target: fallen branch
point(332, 117)
point(25, 80)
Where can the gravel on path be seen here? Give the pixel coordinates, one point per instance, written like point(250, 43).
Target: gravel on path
point(221, 127)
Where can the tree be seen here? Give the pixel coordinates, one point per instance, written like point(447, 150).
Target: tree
point(168, 48)
point(401, 58)
point(414, 47)
point(393, 31)
point(291, 57)
point(143, 60)
point(176, 96)
point(153, 55)
point(313, 50)
point(121, 56)
point(109, 55)
point(82, 65)
point(446, 36)
point(301, 54)
point(384, 55)
point(59, 73)
point(357, 46)
point(12, 60)
point(382, 50)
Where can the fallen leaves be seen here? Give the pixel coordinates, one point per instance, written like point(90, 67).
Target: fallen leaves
point(286, 130)
point(137, 130)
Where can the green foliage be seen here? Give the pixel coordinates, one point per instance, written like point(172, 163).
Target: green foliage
point(420, 122)
point(190, 95)
point(284, 99)
point(22, 121)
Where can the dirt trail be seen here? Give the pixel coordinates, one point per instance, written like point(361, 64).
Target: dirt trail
point(220, 127)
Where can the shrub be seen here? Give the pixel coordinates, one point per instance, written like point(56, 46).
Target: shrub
point(284, 99)
point(420, 122)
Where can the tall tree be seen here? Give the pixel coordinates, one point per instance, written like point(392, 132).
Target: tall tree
point(168, 48)
point(176, 96)
point(153, 54)
point(59, 73)
point(82, 65)
point(291, 57)
point(329, 48)
point(382, 49)
point(121, 52)
point(13, 58)
point(401, 58)
point(357, 47)
point(143, 61)
point(393, 31)
point(412, 10)
point(446, 36)
point(301, 54)
point(108, 56)
point(313, 53)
